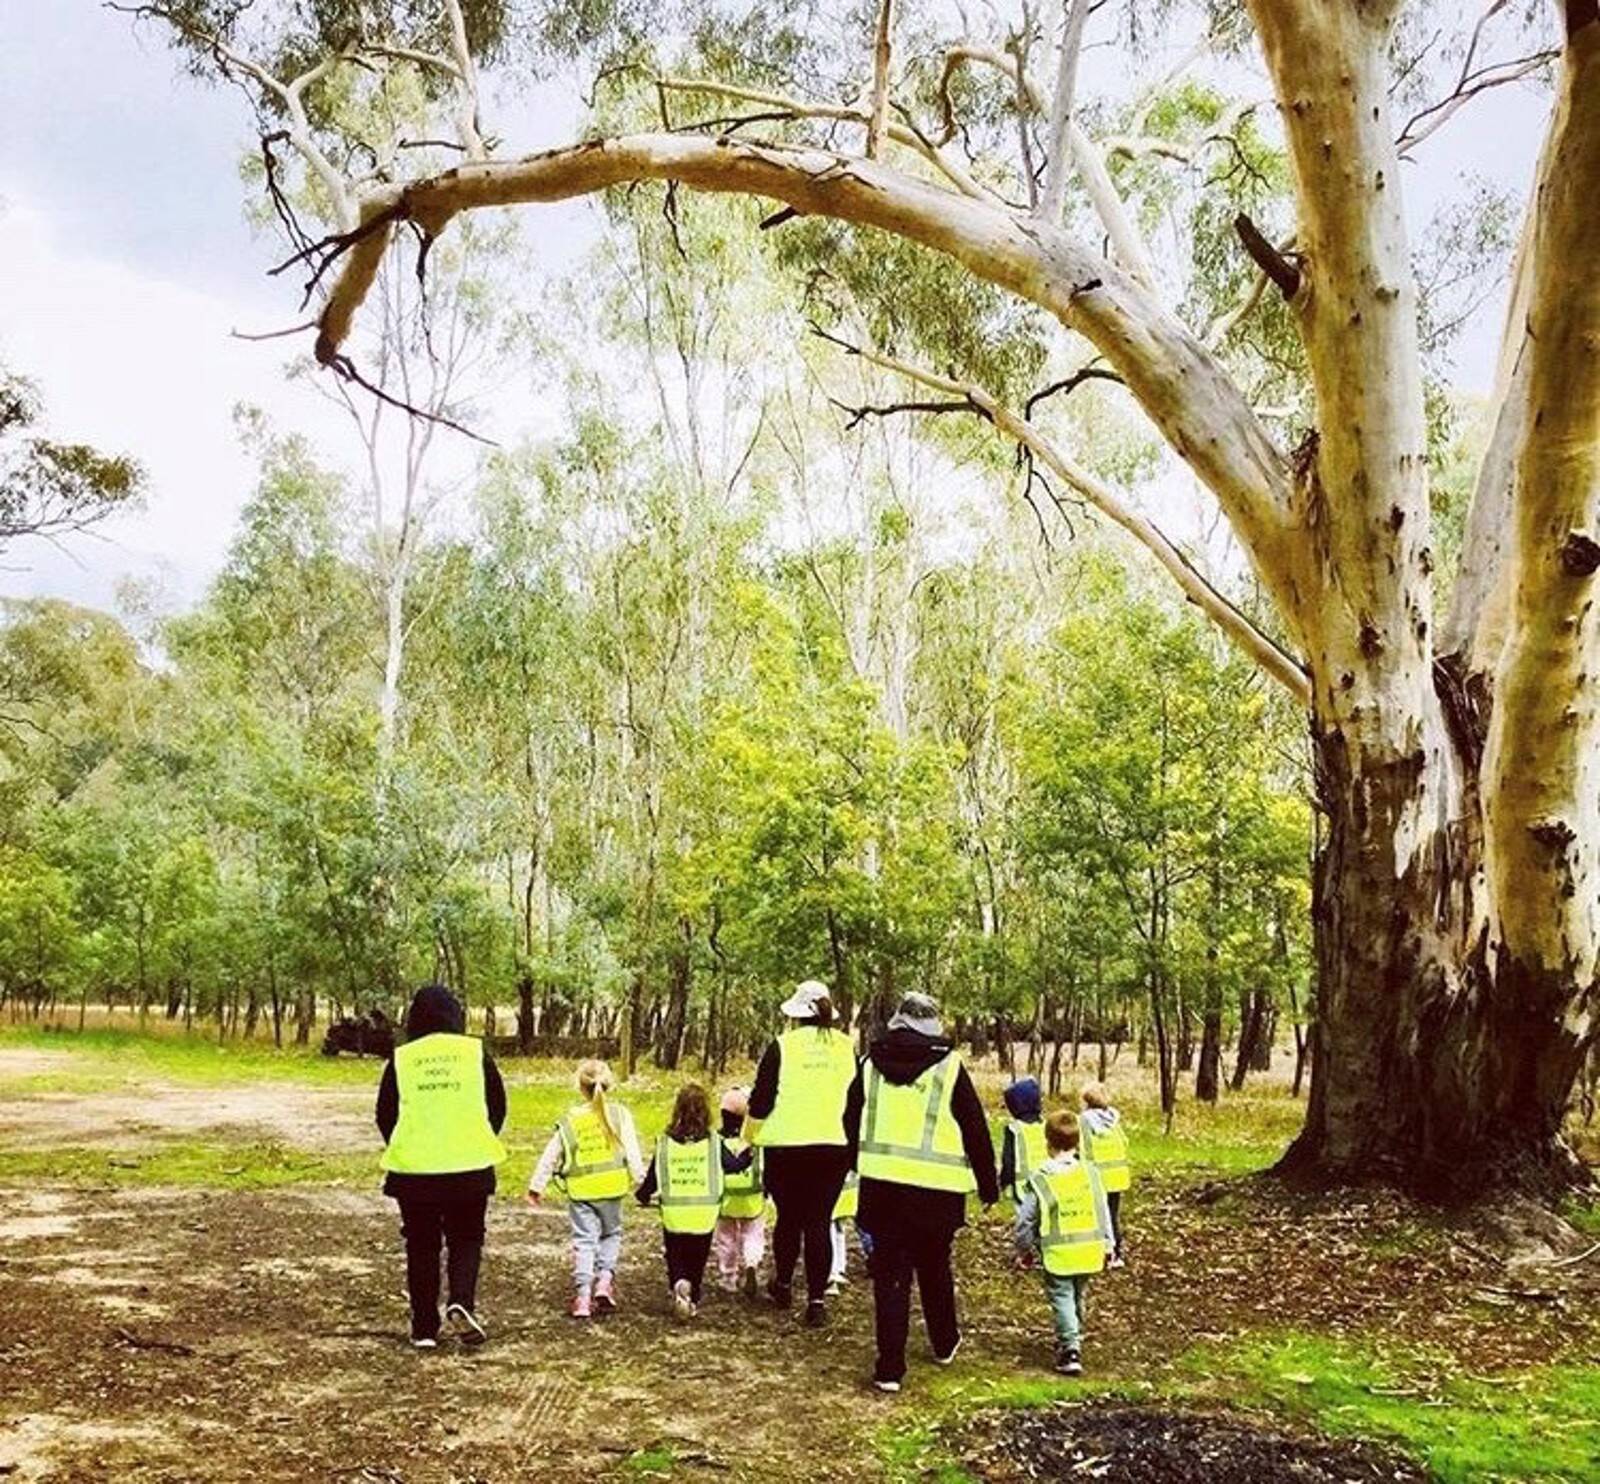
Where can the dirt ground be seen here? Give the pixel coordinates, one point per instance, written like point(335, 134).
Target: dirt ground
point(157, 1334)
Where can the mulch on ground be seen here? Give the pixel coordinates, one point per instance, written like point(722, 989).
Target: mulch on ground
point(1144, 1445)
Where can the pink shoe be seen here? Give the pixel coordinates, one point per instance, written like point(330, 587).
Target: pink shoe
point(605, 1293)
point(580, 1306)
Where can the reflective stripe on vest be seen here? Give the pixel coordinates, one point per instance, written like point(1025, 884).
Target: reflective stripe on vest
point(443, 1127)
point(1107, 1151)
point(742, 1193)
point(689, 1184)
point(1029, 1152)
point(815, 1070)
point(909, 1135)
point(592, 1167)
point(1070, 1239)
point(849, 1203)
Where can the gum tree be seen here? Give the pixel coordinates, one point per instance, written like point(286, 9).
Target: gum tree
point(1456, 908)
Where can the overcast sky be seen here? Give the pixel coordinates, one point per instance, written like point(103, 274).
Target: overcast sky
point(126, 261)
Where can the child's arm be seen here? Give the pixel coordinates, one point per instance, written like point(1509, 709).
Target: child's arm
point(1008, 1159)
point(1085, 1139)
point(1025, 1229)
point(736, 1161)
point(628, 1132)
point(647, 1187)
point(548, 1168)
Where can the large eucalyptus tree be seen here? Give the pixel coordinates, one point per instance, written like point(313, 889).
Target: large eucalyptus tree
point(1457, 899)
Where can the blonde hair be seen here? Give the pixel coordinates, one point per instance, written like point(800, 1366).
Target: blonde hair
point(594, 1082)
point(1061, 1131)
point(1094, 1096)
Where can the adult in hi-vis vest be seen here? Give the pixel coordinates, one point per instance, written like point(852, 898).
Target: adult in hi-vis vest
point(441, 1106)
point(797, 1119)
point(921, 1145)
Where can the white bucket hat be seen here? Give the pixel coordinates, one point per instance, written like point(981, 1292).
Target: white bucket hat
point(802, 1004)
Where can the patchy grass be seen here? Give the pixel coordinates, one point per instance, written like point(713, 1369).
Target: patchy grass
point(224, 1164)
point(655, 1462)
point(1537, 1426)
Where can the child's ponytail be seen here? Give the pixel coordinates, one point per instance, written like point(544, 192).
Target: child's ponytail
point(594, 1081)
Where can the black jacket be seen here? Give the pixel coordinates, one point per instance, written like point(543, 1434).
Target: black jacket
point(902, 1056)
point(434, 1010)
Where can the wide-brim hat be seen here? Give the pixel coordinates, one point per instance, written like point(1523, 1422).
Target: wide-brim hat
point(802, 1004)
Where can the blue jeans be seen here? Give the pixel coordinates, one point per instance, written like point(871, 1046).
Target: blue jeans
point(1067, 1295)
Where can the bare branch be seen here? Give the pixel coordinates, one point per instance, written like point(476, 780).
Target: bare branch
point(1271, 262)
point(1058, 142)
point(882, 55)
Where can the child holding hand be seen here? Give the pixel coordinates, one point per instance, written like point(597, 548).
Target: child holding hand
point(593, 1155)
point(1103, 1142)
point(740, 1241)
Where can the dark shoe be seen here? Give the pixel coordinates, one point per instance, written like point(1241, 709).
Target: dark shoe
point(467, 1326)
point(948, 1358)
point(1069, 1362)
point(752, 1282)
point(816, 1314)
point(781, 1294)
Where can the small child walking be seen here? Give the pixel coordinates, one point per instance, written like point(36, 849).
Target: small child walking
point(1103, 1142)
point(1022, 1150)
point(593, 1155)
point(1062, 1223)
point(686, 1179)
point(740, 1241)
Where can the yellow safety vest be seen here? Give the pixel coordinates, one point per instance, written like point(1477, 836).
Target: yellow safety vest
point(689, 1184)
point(909, 1135)
point(1108, 1153)
point(815, 1070)
point(742, 1194)
point(1071, 1241)
point(443, 1127)
point(849, 1203)
point(592, 1167)
point(1028, 1150)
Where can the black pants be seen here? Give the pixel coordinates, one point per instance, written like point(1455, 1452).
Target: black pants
point(686, 1258)
point(897, 1258)
point(431, 1225)
point(1114, 1210)
point(804, 1182)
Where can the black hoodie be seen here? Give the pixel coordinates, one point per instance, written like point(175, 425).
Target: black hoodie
point(434, 1011)
point(902, 1056)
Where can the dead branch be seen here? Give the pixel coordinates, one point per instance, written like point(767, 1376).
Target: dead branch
point(1273, 263)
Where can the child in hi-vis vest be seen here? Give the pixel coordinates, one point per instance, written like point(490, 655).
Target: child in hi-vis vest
point(686, 1180)
point(1022, 1148)
point(740, 1241)
point(1063, 1225)
point(1103, 1141)
point(594, 1157)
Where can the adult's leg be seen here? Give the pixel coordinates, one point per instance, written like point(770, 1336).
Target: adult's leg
point(786, 1190)
point(825, 1169)
point(464, 1231)
point(422, 1225)
point(937, 1283)
point(891, 1304)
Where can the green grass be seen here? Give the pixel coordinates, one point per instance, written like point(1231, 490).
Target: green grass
point(655, 1462)
point(223, 1164)
point(1537, 1426)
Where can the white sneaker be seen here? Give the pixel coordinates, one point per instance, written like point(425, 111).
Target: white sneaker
point(835, 1287)
point(424, 1342)
point(889, 1386)
point(955, 1350)
point(682, 1303)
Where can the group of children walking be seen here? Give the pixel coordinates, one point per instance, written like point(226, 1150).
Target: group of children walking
point(1066, 1172)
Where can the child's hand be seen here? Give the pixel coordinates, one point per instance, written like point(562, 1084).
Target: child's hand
point(535, 1199)
point(1024, 1262)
